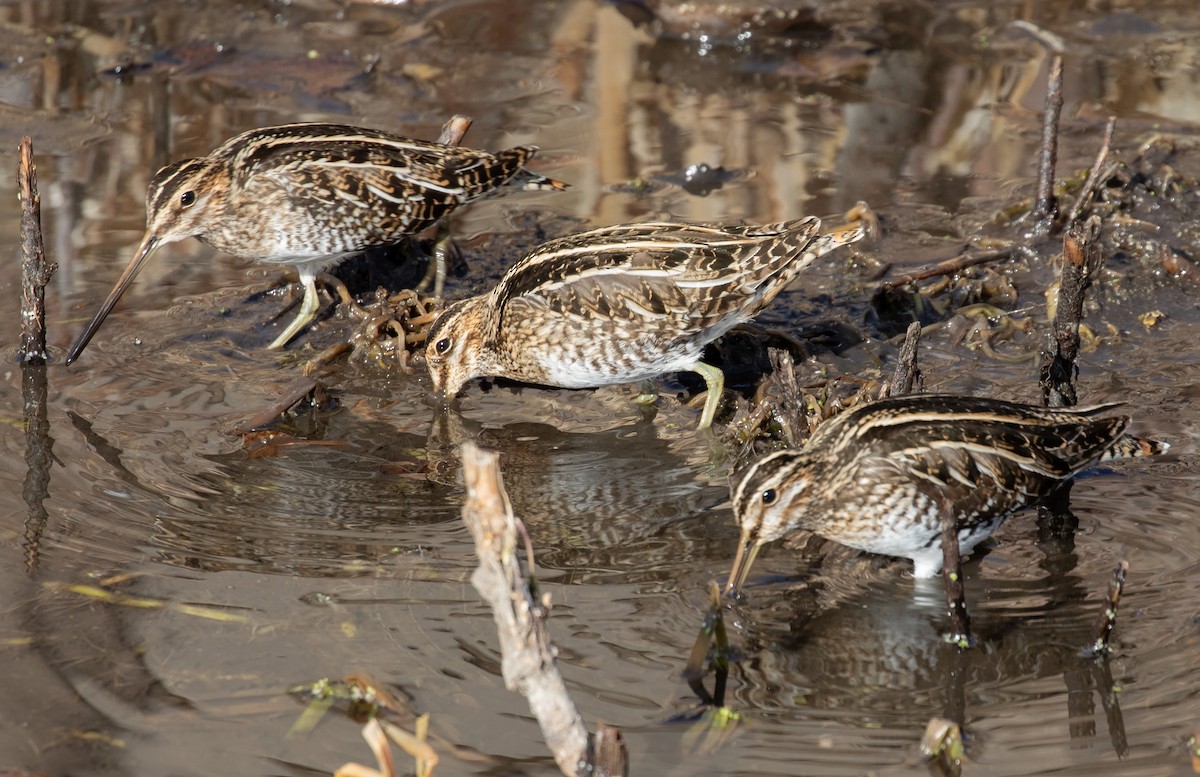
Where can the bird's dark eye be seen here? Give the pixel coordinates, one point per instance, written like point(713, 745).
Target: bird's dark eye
point(768, 496)
point(187, 199)
point(441, 346)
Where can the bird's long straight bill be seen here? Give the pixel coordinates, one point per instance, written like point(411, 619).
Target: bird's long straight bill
point(747, 550)
point(149, 243)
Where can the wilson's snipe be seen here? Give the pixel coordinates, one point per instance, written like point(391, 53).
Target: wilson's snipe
point(622, 304)
point(875, 477)
point(310, 195)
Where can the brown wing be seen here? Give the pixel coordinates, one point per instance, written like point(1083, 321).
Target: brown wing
point(685, 276)
point(333, 165)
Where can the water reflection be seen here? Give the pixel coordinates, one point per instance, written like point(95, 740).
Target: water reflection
point(39, 456)
point(621, 506)
point(876, 656)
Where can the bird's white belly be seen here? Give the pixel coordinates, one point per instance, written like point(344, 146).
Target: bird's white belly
point(921, 542)
point(606, 362)
point(907, 525)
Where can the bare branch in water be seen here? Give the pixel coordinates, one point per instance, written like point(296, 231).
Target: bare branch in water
point(527, 654)
point(956, 600)
point(1045, 205)
point(1095, 175)
point(35, 270)
point(907, 375)
point(1107, 620)
point(948, 267)
point(1081, 262)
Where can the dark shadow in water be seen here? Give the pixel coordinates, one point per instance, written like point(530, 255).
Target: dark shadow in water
point(109, 453)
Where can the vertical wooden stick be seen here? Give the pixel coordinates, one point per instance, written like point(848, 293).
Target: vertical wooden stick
point(527, 654)
point(956, 598)
point(35, 274)
point(1081, 261)
point(907, 376)
point(1045, 205)
point(35, 271)
point(454, 130)
point(1107, 620)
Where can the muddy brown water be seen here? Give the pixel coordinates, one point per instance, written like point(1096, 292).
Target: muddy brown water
point(331, 559)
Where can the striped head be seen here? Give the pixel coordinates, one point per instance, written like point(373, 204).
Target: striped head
point(183, 200)
point(458, 347)
point(769, 501)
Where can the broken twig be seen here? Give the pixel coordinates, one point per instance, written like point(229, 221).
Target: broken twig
point(1081, 261)
point(35, 271)
point(948, 267)
point(35, 274)
point(1045, 205)
point(292, 395)
point(907, 374)
point(295, 392)
point(528, 657)
point(1107, 620)
point(1095, 175)
point(454, 130)
point(956, 599)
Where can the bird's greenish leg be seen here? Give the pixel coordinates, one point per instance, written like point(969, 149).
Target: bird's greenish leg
point(715, 380)
point(435, 276)
point(308, 310)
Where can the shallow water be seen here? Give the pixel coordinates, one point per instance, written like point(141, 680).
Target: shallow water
point(333, 557)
